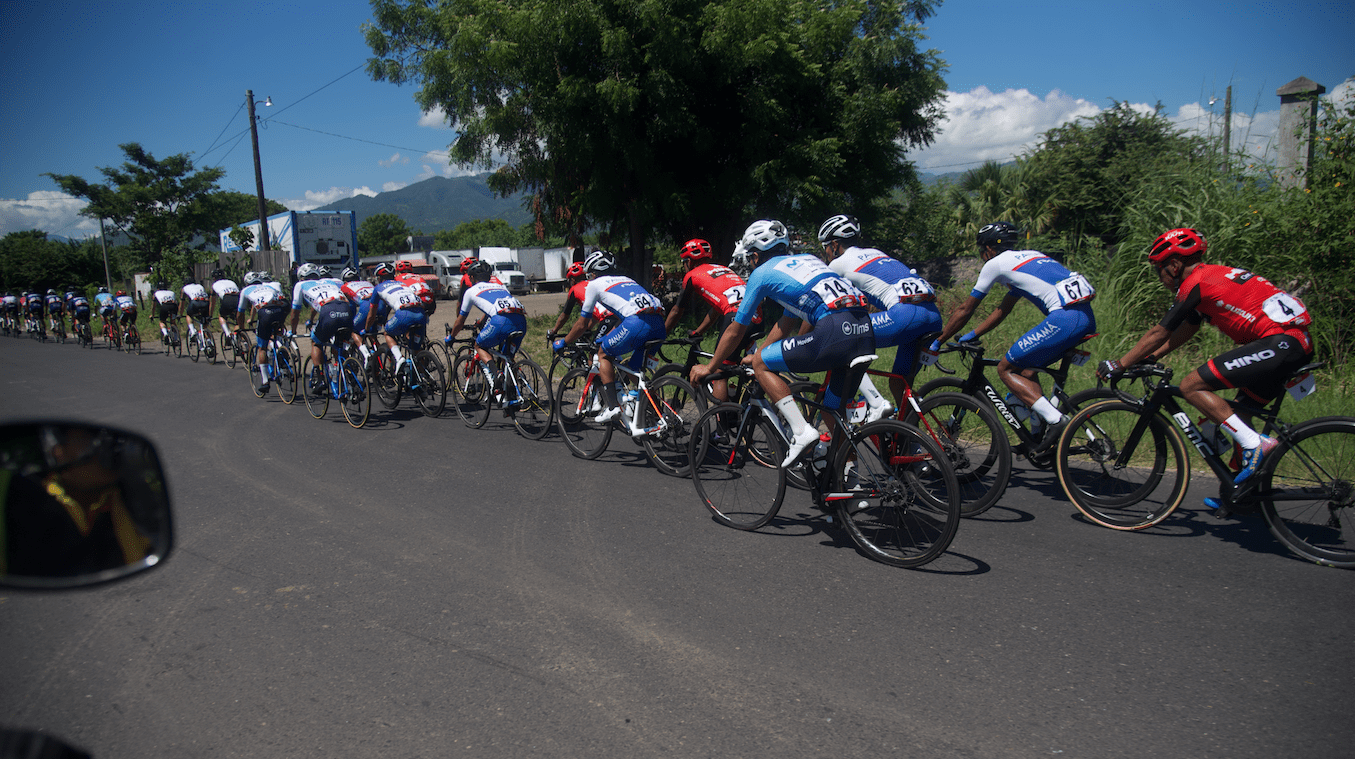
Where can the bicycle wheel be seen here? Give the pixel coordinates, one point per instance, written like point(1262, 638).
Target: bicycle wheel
point(285, 368)
point(444, 356)
point(976, 446)
point(355, 393)
point(1310, 479)
point(535, 412)
point(1139, 493)
point(472, 393)
point(679, 407)
point(175, 344)
point(901, 513)
point(578, 401)
point(194, 349)
point(428, 384)
point(315, 389)
point(231, 350)
point(208, 346)
point(134, 341)
point(387, 385)
point(738, 476)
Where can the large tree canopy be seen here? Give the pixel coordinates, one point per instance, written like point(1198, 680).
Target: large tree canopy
point(151, 200)
point(382, 234)
point(681, 117)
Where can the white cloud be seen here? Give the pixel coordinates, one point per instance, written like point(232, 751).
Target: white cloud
point(983, 125)
point(435, 119)
point(324, 198)
point(394, 160)
point(393, 186)
point(48, 210)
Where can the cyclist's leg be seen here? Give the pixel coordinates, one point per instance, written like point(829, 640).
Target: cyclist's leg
point(1041, 346)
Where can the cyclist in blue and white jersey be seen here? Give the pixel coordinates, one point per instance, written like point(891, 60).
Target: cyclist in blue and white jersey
point(906, 303)
point(78, 306)
point(103, 303)
point(56, 308)
point(126, 308)
point(34, 306)
point(1063, 296)
point(406, 315)
point(264, 297)
point(9, 309)
point(330, 309)
point(641, 315)
point(227, 296)
point(836, 326)
point(506, 316)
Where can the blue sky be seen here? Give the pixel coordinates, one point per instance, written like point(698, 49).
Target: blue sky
point(81, 77)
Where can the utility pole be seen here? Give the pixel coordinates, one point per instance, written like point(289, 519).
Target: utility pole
point(108, 274)
point(1227, 126)
point(258, 172)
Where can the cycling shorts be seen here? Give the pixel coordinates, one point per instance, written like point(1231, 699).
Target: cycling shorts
point(360, 317)
point(167, 310)
point(197, 309)
point(1051, 338)
point(106, 311)
point(229, 305)
point(82, 313)
point(498, 328)
point(407, 320)
point(270, 324)
point(127, 317)
point(332, 317)
point(834, 342)
point(903, 326)
point(631, 335)
point(1260, 368)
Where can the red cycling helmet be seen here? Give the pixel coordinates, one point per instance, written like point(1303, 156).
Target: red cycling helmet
point(1177, 242)
point(121, 293)
point(403, 266)
point(465, 264)
point(575, 270)
point(696, 249)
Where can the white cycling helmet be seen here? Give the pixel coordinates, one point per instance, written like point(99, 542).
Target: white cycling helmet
point(599, 262)
point(765, 234)
point(840, 227)
point(253, 278)
point(307, 271)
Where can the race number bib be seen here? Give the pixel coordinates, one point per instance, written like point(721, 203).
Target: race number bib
point(1283, 308)
point(914, 290)
point(645, 302)
point(1075, 289)
point(734, 295)
point(837, 293)
point(1302, 386)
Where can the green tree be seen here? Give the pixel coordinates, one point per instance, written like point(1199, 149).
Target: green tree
point(477, 232)
point(382, 234)
point(151, 200)
point(681, 117)
point(28, 260)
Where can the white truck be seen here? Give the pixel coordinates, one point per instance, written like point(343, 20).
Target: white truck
point(447, 265)
point(545, 268)
point(325, 238)
point(505, 263)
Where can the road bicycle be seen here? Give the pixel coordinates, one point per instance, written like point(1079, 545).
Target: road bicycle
point(112, 335)
point(281, 367)
point(169, 339)
point(228, 345)
point(342, 378)
point(658, 414)
point(518, 385)
point(83, 335)
point(1125, 465)
point(36, 329)
point(201, 344)
point(131, 338)
point(887, 483)
point(420, 375)
point(59, 328)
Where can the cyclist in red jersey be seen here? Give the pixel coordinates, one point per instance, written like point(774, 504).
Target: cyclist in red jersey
point(1269, 325)
point(575, 285)
point(722, 290)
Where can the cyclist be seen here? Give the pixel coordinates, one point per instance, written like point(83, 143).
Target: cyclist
point(404, 273)
point(906, 302)
point(78, 305)
point(227, 295)
point(33, 306)
point(126, 309)
point(9, 305)
point(721, 290)
point(167, 303)
point(392, 297)
point(103, 300)
point(505, 313)
point(576, 283)
point(641, 317)
point(1063, 296)
point(330, 308)
point(56, 308)
point(836, 326)
point(1269, 325)
point(358, 291)
point(196, 305)
point(264, 297)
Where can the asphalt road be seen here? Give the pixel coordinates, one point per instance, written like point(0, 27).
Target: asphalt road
point(419, 589)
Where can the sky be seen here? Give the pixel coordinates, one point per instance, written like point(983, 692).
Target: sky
point(82, 77)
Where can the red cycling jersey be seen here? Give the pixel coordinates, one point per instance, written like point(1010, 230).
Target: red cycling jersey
point(717, 285)
point(575, 297)
point(1244, 306)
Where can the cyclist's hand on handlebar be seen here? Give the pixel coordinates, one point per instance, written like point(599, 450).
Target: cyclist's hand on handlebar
point(968, 337)
point(557, 345)
point(1108, 369)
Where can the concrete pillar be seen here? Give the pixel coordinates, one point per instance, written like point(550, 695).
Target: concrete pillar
point(1298, 116)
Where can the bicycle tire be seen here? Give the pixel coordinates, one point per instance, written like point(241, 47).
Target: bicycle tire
point(175, 344)
point(577, 404)
point(194, 349)
point(429, 385)
point(680, 406)
point(474, 396)
point(355, 393)
point(740, 481)
point(904, 514)
point(1132, 497)
point(315, 389)
point(1315, 458)
point(976, 445)
point(208, 346)
point(284, 371)
point(444, 356)
point(134, 341)
point(387, 385)
point(536, 408)
point(231, 350)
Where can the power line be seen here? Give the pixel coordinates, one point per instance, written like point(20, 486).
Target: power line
point(223, 129)
point(355, 68)
point(356, 139)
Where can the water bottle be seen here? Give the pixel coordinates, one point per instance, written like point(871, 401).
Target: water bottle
point(1022, 412)
point(628, 401)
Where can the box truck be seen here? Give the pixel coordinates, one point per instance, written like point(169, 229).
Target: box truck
point(325, 238)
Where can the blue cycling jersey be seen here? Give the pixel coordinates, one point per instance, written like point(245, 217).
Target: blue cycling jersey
point(803, 285)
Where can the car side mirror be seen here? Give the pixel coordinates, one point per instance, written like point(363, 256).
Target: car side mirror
point(79, 505)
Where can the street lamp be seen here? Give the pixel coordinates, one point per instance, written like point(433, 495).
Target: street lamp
point(258, 172)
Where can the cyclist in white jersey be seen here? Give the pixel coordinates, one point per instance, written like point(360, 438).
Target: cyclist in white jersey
point(263, 296)
point(1063, 296)
point(196, 305)
point(166, 304)
point(227, 296)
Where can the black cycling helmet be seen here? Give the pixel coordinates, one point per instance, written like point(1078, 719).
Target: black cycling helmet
point(189, 281)
point(1000, 235)
point(840, 227)
point(218, 274)
point(480, 271)
point(599, 262)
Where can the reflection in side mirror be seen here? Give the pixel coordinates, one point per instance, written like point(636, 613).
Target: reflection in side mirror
point(79, 505)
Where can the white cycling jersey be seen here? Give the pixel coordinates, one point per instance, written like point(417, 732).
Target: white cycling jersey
point(1035, 277)
point(194, 292)
point(224, 287)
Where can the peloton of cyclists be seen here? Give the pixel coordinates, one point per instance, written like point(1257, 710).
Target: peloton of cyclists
point(1269, 325)
point(1063, 296)
point(833, 309)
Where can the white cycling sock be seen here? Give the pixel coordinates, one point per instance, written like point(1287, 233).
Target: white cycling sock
point(1241, 432)
point(1046, 411)
point(873, 397)
point(792, 414)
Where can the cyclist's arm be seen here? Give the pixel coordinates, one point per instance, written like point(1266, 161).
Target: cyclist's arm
point(729, 342)
point(581, 325)
point(706, 322)
point(565, 311)
point(960, 317)
point(1152, 342)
